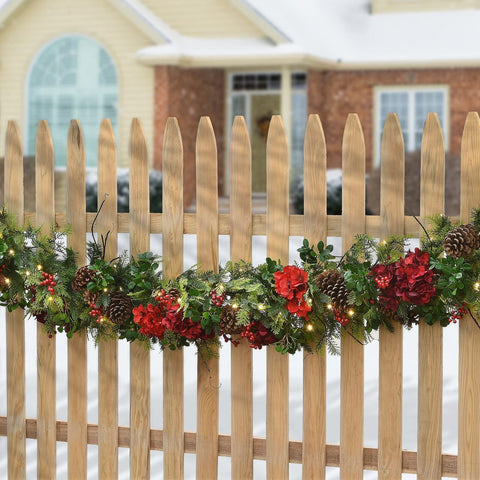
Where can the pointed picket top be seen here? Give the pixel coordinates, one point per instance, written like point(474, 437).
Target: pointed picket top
point(13, 170)
point(206, 143)
point(315, 181)
point(432, 179)
point(75, 146)
point(240, 191)
point(172, 202)
point(277, 191)
point(392, 177)
point(353, 180)
point(107, 148)
point(44, 182)
point(470, 166)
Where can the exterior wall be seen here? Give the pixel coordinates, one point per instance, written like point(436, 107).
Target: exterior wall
point(335, 94)
point(39, 22)
point(189, 94)
point(205, 18)
point(390, 6)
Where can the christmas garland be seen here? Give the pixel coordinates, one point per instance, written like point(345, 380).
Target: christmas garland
point(309, 305)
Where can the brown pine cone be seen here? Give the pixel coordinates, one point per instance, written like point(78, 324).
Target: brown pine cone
point(461, 241)
point(228, 321)
point(331, 283)
point(82, 276)
point(90, 297)
point(119, 308)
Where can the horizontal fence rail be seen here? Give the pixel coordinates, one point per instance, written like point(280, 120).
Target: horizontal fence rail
point(276, 449)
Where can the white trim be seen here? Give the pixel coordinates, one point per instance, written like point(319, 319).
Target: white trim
point(411, 90)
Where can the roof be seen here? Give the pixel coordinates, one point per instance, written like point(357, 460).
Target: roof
point(323, 34)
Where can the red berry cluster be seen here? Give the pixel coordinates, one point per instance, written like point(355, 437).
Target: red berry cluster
point(341, 318)
point(2, 267)
point(382, 281)
point(457, 314)
point(96, 312)
point(217, 300)
point(48, 280)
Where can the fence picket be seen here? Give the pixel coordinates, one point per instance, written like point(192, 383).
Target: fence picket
point(430, 349)
point(15, 326)
point(207, 258)
point(46, 349)
point(352, 359)
point(108, 349)
point(392, 205)
point(139, 212)
point(241, 249)
point(77, 345)
point(468, 351)
point(277, 248)
point(314, 365)
point(172, 237)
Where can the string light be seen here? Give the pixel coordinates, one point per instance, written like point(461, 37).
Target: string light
point(309, 327)
point(7, 280)
point(27, 273)
point(234, 306)
point(330, 306)
point(11, 251)
point(39, 267)
point(309, 302)
point(350, 312)
point(105, 289)
point(476, 286)
point(261, 306)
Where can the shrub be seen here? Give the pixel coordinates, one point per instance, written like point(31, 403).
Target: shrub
point(155, 180)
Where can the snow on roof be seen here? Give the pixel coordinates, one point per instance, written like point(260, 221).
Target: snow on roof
point(347, 33)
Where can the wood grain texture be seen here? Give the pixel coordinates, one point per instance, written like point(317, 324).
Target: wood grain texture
point(370, 455)
point(108, 349)
point(392, 201)
point(15, 326)
point(469, 338)
point(139, 209)
point(46, 351)
point(207, 258)
point(77, 345)
point(314, 365)
point(352, 360)
point(430, 343)
point(172, 184)
point(277, 249)
point(241, 249)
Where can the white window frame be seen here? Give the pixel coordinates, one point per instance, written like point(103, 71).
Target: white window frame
point(410, 90)
point(27, 91)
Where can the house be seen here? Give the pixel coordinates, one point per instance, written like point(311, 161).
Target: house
point(63, 59)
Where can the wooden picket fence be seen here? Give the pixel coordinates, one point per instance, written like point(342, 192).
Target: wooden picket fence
point(277, 224)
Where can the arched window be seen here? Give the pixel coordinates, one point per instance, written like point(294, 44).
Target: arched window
point(72, 78)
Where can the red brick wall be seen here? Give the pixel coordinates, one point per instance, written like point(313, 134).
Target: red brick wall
point(189, 94)
point(335, 94)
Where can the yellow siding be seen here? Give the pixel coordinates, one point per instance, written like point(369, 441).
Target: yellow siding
point(204, 18)
point(391, 6)
point(39, 22)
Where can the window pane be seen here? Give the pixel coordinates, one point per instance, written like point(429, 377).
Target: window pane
point(73, 77)
point(427, 101)
point(299, 116)
point(394, 102)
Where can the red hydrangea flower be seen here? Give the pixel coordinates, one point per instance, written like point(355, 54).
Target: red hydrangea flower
point(291, 284)
point(150, 320)
point(414, 279)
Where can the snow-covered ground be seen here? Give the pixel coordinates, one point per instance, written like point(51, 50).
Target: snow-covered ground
point(450, 396)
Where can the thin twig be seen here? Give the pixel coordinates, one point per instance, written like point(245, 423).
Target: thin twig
point(473, 316)
point(96, 217)
point(354, 337)
point(423, 228)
